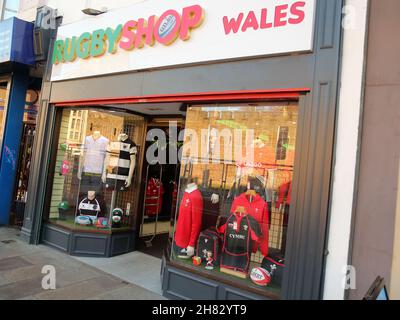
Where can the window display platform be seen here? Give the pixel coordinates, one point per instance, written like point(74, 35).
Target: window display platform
point(180, 283)
point(89, 244)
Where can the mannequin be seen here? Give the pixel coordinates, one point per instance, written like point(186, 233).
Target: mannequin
point(90, 206)
point(189, 222)
point(257, 208)
point(91, 162)
point(120, 163)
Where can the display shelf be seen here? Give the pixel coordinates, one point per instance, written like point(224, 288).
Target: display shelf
point(82, 242)
point(71, 225)
point(273, 290)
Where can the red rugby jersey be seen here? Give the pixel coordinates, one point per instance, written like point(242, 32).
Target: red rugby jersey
point(154, 197)
point(189, 220)
point(258, 209)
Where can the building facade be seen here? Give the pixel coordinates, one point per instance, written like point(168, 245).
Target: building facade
point(202, 67)
point(375, 234)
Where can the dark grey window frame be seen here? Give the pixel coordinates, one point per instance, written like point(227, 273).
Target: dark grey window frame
point(318, 70)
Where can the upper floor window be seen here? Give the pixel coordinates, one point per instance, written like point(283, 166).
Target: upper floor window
point(10, 9)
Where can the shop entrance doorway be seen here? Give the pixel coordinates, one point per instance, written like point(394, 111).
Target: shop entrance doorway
point(160, 178)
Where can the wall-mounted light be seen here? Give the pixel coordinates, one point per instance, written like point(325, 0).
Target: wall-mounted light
point(94, 12)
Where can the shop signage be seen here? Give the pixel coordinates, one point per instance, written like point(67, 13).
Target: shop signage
point(16, 41)
point(154, 34)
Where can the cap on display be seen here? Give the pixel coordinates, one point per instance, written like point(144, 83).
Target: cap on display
point(63, 205)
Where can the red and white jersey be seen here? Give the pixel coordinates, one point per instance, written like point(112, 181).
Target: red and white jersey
point(189, 220)
point(258, 209)
point(154, 196)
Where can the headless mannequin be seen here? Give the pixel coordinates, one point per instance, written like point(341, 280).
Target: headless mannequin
point(96, 135)
point(122, 137)
point(189, 189)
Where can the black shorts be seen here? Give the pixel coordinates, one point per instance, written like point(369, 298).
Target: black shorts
point(91, 182)
point(118, 185)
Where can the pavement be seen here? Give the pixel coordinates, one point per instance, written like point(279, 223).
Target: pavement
point(76, 278)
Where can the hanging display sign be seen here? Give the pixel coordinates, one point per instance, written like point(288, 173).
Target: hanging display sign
point(154, 34)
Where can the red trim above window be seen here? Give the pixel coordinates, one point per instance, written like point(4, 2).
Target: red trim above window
point(254, 95)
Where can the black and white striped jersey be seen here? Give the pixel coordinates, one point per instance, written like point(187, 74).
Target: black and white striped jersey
point(120, 159)
point(89, 208)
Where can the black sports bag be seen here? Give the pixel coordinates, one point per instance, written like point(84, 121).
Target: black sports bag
point(209, 240)
point(275, 265)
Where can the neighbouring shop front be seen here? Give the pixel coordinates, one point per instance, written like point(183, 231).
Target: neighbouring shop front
point(201, 132)
point(19, 95)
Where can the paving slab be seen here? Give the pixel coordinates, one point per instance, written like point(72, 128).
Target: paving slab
point(136, 268)
point(23, 273)
point(13, 263)
point(76, 275)
point(20, 289)
point(3, 280)
point(83, 290)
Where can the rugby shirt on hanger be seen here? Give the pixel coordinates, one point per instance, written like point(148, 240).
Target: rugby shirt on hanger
point(241, 233)
point(258, 209)
point(120, 159)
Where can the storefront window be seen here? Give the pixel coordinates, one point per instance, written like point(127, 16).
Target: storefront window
point(95, 177)
point(235, 192)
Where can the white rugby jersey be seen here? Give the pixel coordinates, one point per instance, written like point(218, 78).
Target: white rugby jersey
point(95, 153)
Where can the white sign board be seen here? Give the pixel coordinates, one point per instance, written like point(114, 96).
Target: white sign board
point(154, 34)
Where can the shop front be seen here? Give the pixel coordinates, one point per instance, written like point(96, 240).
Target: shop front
point(199, 131)
point(18, 97)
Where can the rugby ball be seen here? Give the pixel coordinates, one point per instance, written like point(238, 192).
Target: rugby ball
point(83, 220)
point(260, 276)
point(167, 25)
point(196, 261)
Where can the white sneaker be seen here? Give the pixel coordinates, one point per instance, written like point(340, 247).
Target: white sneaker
point(183, 254)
